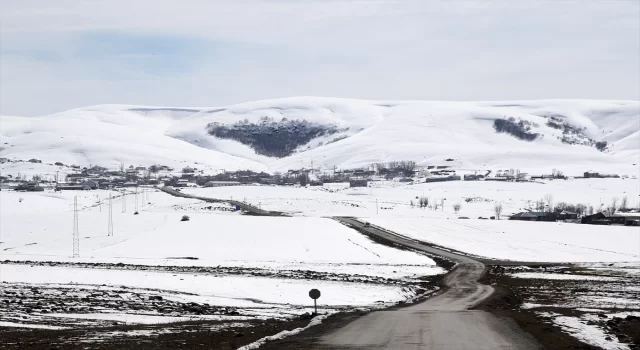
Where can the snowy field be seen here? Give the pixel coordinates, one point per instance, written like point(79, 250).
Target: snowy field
point(477, 198)
point(260, 266)
point(40, 228)
point(523, 241)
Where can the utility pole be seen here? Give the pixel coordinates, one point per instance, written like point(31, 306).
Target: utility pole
point(110, 225)
point(136, 201)
point(124, 202)
point(76, 233)
point(376, 206)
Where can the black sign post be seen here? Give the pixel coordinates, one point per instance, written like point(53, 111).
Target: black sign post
point(314, 294)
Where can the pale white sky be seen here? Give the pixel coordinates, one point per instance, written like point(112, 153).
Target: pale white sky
point(56, 55)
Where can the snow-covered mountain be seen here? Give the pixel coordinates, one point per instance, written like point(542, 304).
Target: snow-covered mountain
point(292, 132)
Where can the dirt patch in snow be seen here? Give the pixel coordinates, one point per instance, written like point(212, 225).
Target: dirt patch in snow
point(530, 302)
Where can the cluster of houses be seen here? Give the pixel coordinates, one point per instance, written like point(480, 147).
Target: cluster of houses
point(96, 177)
point(91, 178)
point(623, 218)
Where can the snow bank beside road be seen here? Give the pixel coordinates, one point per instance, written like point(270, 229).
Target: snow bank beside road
point(234, 291)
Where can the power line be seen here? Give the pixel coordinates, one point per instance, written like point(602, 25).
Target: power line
point(76, 233)
point(110, 224)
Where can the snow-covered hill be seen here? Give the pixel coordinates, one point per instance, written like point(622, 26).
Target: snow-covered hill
point(333, 131)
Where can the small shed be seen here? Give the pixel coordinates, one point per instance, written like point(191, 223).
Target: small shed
point(567, 215)
point(590, 219)
point(534, 216)
point(358, 183)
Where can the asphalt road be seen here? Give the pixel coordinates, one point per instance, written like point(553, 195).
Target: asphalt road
point(441, 322)
point(445, 321)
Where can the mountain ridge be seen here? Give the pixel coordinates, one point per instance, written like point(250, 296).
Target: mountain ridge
point(369, 132)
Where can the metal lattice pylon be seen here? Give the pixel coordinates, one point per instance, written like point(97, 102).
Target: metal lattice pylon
point(76, 233)
point(110, 225)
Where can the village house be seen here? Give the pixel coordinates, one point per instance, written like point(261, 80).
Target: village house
point(567, 215)
point(534, 216)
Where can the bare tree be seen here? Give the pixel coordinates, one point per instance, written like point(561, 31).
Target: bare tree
point(581, 209)
point(456, 207)
point(408, 167)
point(614, 206)
point(303, 179)
point(590, 210)
point(623, 203)
point(548, 198)
point(497, 208)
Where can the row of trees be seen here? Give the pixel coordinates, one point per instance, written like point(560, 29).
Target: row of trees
point(546, 204)
point(519, 129)
point(406, 167)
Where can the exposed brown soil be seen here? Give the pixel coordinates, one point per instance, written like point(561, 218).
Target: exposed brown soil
point(510, 293)
point(189, 335)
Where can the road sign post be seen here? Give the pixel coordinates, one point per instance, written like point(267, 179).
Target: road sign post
point(314, 294)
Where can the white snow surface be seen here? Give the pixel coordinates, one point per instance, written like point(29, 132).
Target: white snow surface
point(255, 297)
point(40, 228)
point(477, 198)
point(376, 131)
point(28, 325)
point(235, 291)
point(560, 276)
point(523, 240)
point(590, 334)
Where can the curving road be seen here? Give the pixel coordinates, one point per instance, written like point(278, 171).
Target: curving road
point(445, 321)
point(441, 322)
